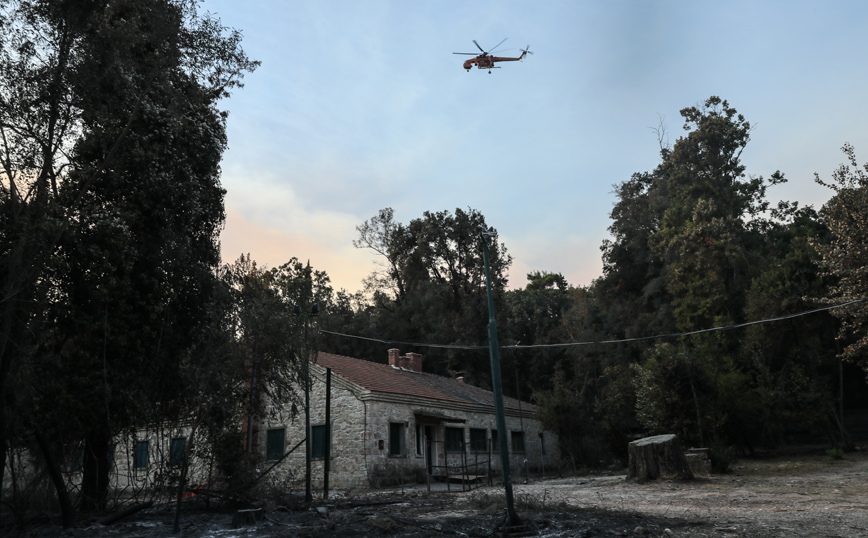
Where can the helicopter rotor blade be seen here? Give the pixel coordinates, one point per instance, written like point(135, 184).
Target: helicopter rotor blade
point(477, 46)
point(499, 44)
point(466, 53)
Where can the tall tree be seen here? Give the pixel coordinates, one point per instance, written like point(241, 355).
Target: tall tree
point(693, 247)
point(431, 287)
point(845, 256)
point(111, 141)
point(537, 315)
point(708, 231)
point(633, 289)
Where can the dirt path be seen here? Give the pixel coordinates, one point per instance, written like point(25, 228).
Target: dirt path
point(799, 496)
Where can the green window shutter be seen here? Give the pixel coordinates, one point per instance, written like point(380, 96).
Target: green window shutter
point(454, 439)
point(275, 444)
point(318, 441)
point(518, 441)
point(396, 439)
point(176, 453)
point(140, 460)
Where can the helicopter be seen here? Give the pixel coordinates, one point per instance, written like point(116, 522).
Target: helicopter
point(486, 60)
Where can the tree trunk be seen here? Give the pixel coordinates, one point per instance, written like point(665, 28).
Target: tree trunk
point(655, 457)
point(56, 479)
point(182, 480)
point(246, 518)
point(95, 472)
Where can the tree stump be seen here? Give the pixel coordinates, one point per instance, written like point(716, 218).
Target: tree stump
point(655, 457)
point(245, 518)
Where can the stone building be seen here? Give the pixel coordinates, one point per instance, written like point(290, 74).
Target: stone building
point(393, 423)
point(389, 423)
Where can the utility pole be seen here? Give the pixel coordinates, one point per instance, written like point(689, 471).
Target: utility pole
point(328, 435)
point(314, 310)
point(496, 384)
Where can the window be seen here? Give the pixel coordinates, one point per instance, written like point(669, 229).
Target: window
point(418, 439)
point(318, 441)
point(517, 441)
point(478, 440)
point(275, 443)
point(396, 439)
point(140, 457)
point(495, 444)
point(542, 445)
point(77, 462)
point(176, 454)
point(454, 439)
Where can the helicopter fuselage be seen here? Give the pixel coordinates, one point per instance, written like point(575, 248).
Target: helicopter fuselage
point(484, 61)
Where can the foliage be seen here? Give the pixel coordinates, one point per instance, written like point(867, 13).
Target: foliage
point(615, 407)
point(721, 459)
point(845, 256)
point(664, 395)
point(111, 208)
point(566, 409)
point(536, 315)
point(695, 245)
point(431, 284)
point(835, 453)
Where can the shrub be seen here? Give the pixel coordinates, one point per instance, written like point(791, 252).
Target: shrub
point(721, 458)
point(835, 453)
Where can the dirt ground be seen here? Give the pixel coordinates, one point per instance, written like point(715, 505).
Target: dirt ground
point(797, 495)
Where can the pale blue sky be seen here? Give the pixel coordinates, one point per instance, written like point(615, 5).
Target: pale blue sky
point(360, 105)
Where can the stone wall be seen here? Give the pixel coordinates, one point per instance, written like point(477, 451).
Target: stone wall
point(360, 444)
point(386, 468)
point(348, 465)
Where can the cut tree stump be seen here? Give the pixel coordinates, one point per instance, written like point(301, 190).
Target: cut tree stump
point(659, 456)
point(246, 518)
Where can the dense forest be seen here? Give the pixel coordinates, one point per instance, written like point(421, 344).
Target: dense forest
point(115, 310)
point(695, 245)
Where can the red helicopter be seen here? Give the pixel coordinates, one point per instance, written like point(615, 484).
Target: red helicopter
point(486, 60)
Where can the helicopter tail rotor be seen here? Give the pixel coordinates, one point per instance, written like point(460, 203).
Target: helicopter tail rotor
point(526, 50)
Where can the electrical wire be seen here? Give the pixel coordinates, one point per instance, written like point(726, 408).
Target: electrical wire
point(602, 342)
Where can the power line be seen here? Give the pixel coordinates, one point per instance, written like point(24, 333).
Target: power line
point(603, 342)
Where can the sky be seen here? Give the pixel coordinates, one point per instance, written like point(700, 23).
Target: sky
point(361, 105)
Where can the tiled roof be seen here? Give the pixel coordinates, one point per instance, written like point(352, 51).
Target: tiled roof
point(379, 377)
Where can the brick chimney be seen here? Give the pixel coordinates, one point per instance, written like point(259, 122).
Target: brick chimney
point(393, 357)
point(414, 362)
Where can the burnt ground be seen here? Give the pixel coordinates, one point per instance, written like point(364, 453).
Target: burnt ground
point(802, 494)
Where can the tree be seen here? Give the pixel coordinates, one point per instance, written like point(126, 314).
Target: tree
point(256, 353)
point(792, 361)
point(710, 224)
point(431, 287)
point(845, 256)
point(536, 315)
point(695, 245)
point(111, 141)
point(633, 288)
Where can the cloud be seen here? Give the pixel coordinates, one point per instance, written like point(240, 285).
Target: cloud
point(322, 238)
point(574, 256)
